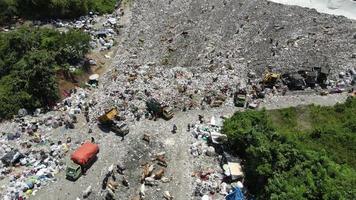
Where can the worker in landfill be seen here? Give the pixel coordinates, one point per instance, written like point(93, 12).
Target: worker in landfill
point(86, 113)
point(125, 182)
point(174, 130)
point(120, 168)
point(92, 140)
point(284, 91)
point(188, 127)
point(106, 179)
point(105, 182)
point(201, 118)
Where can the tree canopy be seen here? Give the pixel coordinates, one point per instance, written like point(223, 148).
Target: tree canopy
point(29, 59)
point(39, 9)
point(280, 166)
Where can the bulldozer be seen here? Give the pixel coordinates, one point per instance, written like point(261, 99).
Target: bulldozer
point(270, 78)
point(240, 97)
point(109, 120)
point(294, 81)
point(156, 109)
point(239, 100)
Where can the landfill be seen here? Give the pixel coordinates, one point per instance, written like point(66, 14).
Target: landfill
point(211, 180)
point(165, 158)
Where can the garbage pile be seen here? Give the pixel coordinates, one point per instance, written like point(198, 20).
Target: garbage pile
point(153, 173)
point(129, 89)
point(111, 182)
point(317, 80)
point(29, 167)
point(343, 81)
point(30, 154)
point(217, 178)
point(103, 29)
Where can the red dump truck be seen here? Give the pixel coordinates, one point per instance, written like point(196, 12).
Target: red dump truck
point(82, 158)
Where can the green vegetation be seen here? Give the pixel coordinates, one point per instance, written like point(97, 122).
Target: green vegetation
point(329, 129)
point(297, 153)
point(29, 60)
point(36, 9)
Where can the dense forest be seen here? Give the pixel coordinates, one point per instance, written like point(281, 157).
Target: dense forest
point(29, 60)
point(297, 153)
point(30, 57)
point(39, 9)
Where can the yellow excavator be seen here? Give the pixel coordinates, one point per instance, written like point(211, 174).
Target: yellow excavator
point(109, 120)
point(270, 78)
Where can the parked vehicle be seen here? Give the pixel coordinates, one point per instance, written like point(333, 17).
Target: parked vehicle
point(82, 159)
point(239, 100)
point(270, 78)
point(109, 120)
point(157, 109)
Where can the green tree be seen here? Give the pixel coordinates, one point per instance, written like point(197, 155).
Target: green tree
point(280, 167)
point(29, 58)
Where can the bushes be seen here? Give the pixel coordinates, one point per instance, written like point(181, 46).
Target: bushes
point(37, 9)
point(102, 6)
point(315, 178)
point(330, 129)
point(29, 59)
point(281, 167)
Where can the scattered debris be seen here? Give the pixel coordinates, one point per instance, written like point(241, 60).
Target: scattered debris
point(167, 195)
point(87, 192)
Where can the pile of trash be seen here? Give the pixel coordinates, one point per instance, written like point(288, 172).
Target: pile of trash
point(30, 167)
point(214, 181)
point(153, 173)
point(129, 89)
point(204, 133)
point(343, 81)
point(30, 155)
point(103, 29)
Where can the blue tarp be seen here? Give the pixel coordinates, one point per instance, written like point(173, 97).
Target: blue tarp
point(235, 195)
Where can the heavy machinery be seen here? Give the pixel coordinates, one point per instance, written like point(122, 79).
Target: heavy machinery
point(294, 81)
point(311, 78)
point(270, 78)
point(156, 109)
point(82, 159)
point(323, 73)
point(109, 120)
point(239, 100)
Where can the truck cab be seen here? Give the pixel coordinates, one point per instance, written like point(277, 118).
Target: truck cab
point(82, 159)
point(73, 171)
point(167, 113)
point(239, 99)
point(158, 110)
